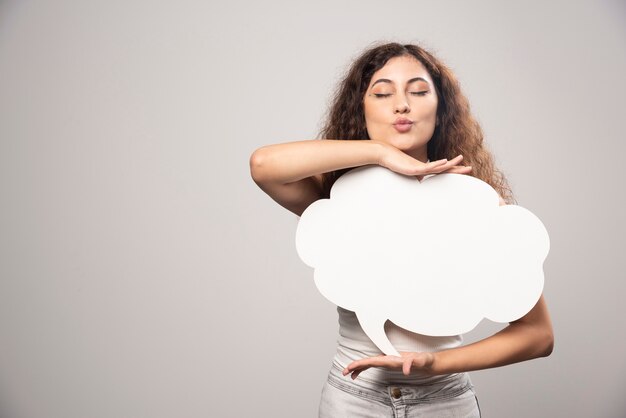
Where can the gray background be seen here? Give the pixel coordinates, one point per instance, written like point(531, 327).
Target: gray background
point(144, 274)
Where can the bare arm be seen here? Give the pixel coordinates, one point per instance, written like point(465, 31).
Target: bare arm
point(527, 338)
point(290, 173)
point(292, 161)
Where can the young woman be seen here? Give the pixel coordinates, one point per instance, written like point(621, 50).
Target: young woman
point(399, 107)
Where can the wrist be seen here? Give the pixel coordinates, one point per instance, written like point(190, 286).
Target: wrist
point(380, 149)
point(437, 367)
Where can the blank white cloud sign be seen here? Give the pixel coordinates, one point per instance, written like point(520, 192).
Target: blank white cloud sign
point(435, 257)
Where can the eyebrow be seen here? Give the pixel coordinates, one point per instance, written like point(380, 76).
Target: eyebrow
point(386, 80)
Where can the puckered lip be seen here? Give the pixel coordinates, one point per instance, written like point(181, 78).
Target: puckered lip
point(402, 121)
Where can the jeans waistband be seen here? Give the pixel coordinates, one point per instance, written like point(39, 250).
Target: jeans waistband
point(436, 388)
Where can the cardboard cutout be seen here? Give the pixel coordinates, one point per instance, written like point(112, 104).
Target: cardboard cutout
point(435, 257)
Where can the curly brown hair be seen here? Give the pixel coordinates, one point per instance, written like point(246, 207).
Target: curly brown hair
point(458, 132)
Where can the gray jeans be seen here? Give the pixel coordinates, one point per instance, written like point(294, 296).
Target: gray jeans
point(450, 396)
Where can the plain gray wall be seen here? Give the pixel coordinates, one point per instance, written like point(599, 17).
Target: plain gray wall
point(144, 274)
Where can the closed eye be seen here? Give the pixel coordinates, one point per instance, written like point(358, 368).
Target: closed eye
point(415, 93)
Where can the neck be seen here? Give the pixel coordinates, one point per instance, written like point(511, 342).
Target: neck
point(419, 153)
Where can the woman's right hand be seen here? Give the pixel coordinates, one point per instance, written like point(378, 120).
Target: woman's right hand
point(400, 162)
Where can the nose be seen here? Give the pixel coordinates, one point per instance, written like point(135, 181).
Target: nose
point(401, 105)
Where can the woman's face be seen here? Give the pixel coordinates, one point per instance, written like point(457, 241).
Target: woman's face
point(402, 91)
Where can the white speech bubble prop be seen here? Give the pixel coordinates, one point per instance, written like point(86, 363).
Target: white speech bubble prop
point(435, 257)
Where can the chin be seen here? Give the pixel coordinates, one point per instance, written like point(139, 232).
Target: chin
point(405, 143)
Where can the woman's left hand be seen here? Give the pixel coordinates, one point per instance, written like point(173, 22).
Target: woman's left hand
point(418, 361)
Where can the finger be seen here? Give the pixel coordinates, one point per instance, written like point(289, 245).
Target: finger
point(420, 361)
point(406, 366)
point(437, 162)
point(461, 166)
point(378, 361)
point(457, 159)
point(459, 169)
point(349, 368)
point(357, 372)
point(449, 164)
point(358, 364)
point(441, 169)
point(431, 165)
